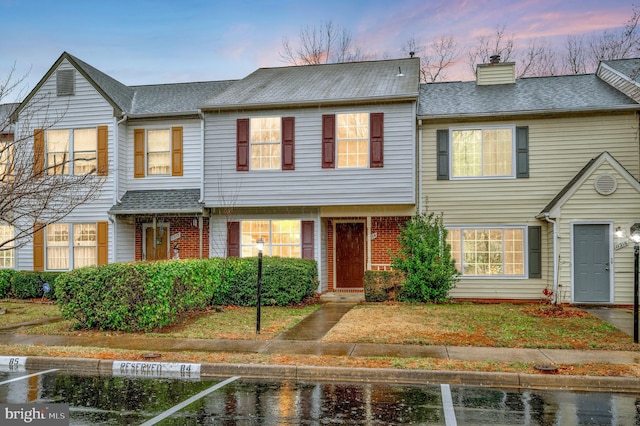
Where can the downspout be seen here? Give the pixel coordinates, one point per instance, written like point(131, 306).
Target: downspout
point(201, 156)
point(419, 162)
point(116, 181)
point(201, 200)
point(555, 256)
point(116, 164)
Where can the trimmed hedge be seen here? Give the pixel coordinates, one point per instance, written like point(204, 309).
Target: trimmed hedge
point(144, 296)
point(5, 282)
point(284, 281)
point(380, 286)
point(27, 284)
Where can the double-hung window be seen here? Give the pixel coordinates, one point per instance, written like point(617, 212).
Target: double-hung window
point(488, 251)
point(281, 238)
point(71, 151)
point(353, 140)
point(157, 152)
point(6, 249)
point(265, 143)
point(482, 153)
point(71, 246)
point(6, 158)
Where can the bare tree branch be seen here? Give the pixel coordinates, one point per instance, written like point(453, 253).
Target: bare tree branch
point(435, 58)
point(322, 44)
point(28, 195)
point(498, 43)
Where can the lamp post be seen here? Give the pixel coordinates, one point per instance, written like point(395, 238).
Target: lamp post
point(260, 246)
point(635, 236)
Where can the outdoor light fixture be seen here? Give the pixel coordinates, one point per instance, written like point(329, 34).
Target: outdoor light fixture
point(259, 246)
point(634, 230)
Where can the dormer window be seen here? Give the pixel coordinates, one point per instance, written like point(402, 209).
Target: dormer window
point(65, 82)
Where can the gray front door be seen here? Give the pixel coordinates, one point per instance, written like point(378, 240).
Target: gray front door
point(591, 264)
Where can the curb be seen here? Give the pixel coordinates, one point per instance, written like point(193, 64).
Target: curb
point(369, 375)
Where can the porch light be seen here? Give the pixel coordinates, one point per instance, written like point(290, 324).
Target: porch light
point(260, 246)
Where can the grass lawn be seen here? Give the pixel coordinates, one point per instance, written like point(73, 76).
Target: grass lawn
point(467, 324)
point(18, 312)
point(230, 322)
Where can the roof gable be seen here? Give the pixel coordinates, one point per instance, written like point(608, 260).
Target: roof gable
point(329, 83)
point(553, 208)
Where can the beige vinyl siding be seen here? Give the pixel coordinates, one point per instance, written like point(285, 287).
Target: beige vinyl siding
point(87, 108)
point(559, 148)
point(502, 73)
point(587, 206)
point(309, 184)
point(619, 82)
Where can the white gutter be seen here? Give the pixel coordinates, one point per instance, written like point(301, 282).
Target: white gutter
point(116, 165)
point(419, 166)
point(201, 156)
point(555, 257)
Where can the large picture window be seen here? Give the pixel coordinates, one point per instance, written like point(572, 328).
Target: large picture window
point(281, 238)
point(6, 251)
point(71, 151)
point(482, 153)
point(482, 252)
point(266, 137)
point(353, 139)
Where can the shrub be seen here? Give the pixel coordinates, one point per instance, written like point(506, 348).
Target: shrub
point(5, 282)
point(380, 286)
point(29, 284)
point(26, 285)
point(284, 281)
point(144, 296)
point(426, 258)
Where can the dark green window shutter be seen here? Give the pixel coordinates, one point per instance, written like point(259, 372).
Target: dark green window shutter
point(535, 252)
point(522, 152)
point(442, 141)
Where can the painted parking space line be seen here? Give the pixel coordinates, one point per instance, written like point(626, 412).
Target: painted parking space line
point(191, 400)
point(447, 405)
point(27, 376)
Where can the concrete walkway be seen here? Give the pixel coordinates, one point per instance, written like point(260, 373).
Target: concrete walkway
point(304, 339)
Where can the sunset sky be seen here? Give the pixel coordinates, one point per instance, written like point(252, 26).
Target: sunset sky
point(159, 41)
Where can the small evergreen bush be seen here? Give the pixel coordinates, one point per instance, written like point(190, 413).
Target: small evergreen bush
point(425, 257)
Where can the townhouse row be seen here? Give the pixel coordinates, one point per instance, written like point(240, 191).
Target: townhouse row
point(537, 178)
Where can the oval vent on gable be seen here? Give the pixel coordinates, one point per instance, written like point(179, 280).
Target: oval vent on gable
point(605, 184)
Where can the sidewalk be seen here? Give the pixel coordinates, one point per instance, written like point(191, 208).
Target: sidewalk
point(304, 339)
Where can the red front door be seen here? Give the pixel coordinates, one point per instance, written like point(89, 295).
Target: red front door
point(349, 255)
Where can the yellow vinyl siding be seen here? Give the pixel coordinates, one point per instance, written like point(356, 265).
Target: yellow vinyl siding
point(559, 147)
point(586, 205)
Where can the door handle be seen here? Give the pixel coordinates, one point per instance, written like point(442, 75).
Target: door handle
point(606, 268)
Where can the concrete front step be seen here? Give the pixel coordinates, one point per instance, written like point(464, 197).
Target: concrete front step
point(339, 297)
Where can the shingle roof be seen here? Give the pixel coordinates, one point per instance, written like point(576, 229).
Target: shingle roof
point(329, 83)
point(174, 98)
point(628, 67)
point(141, 101)
point(159, 201)
point(526, 95)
